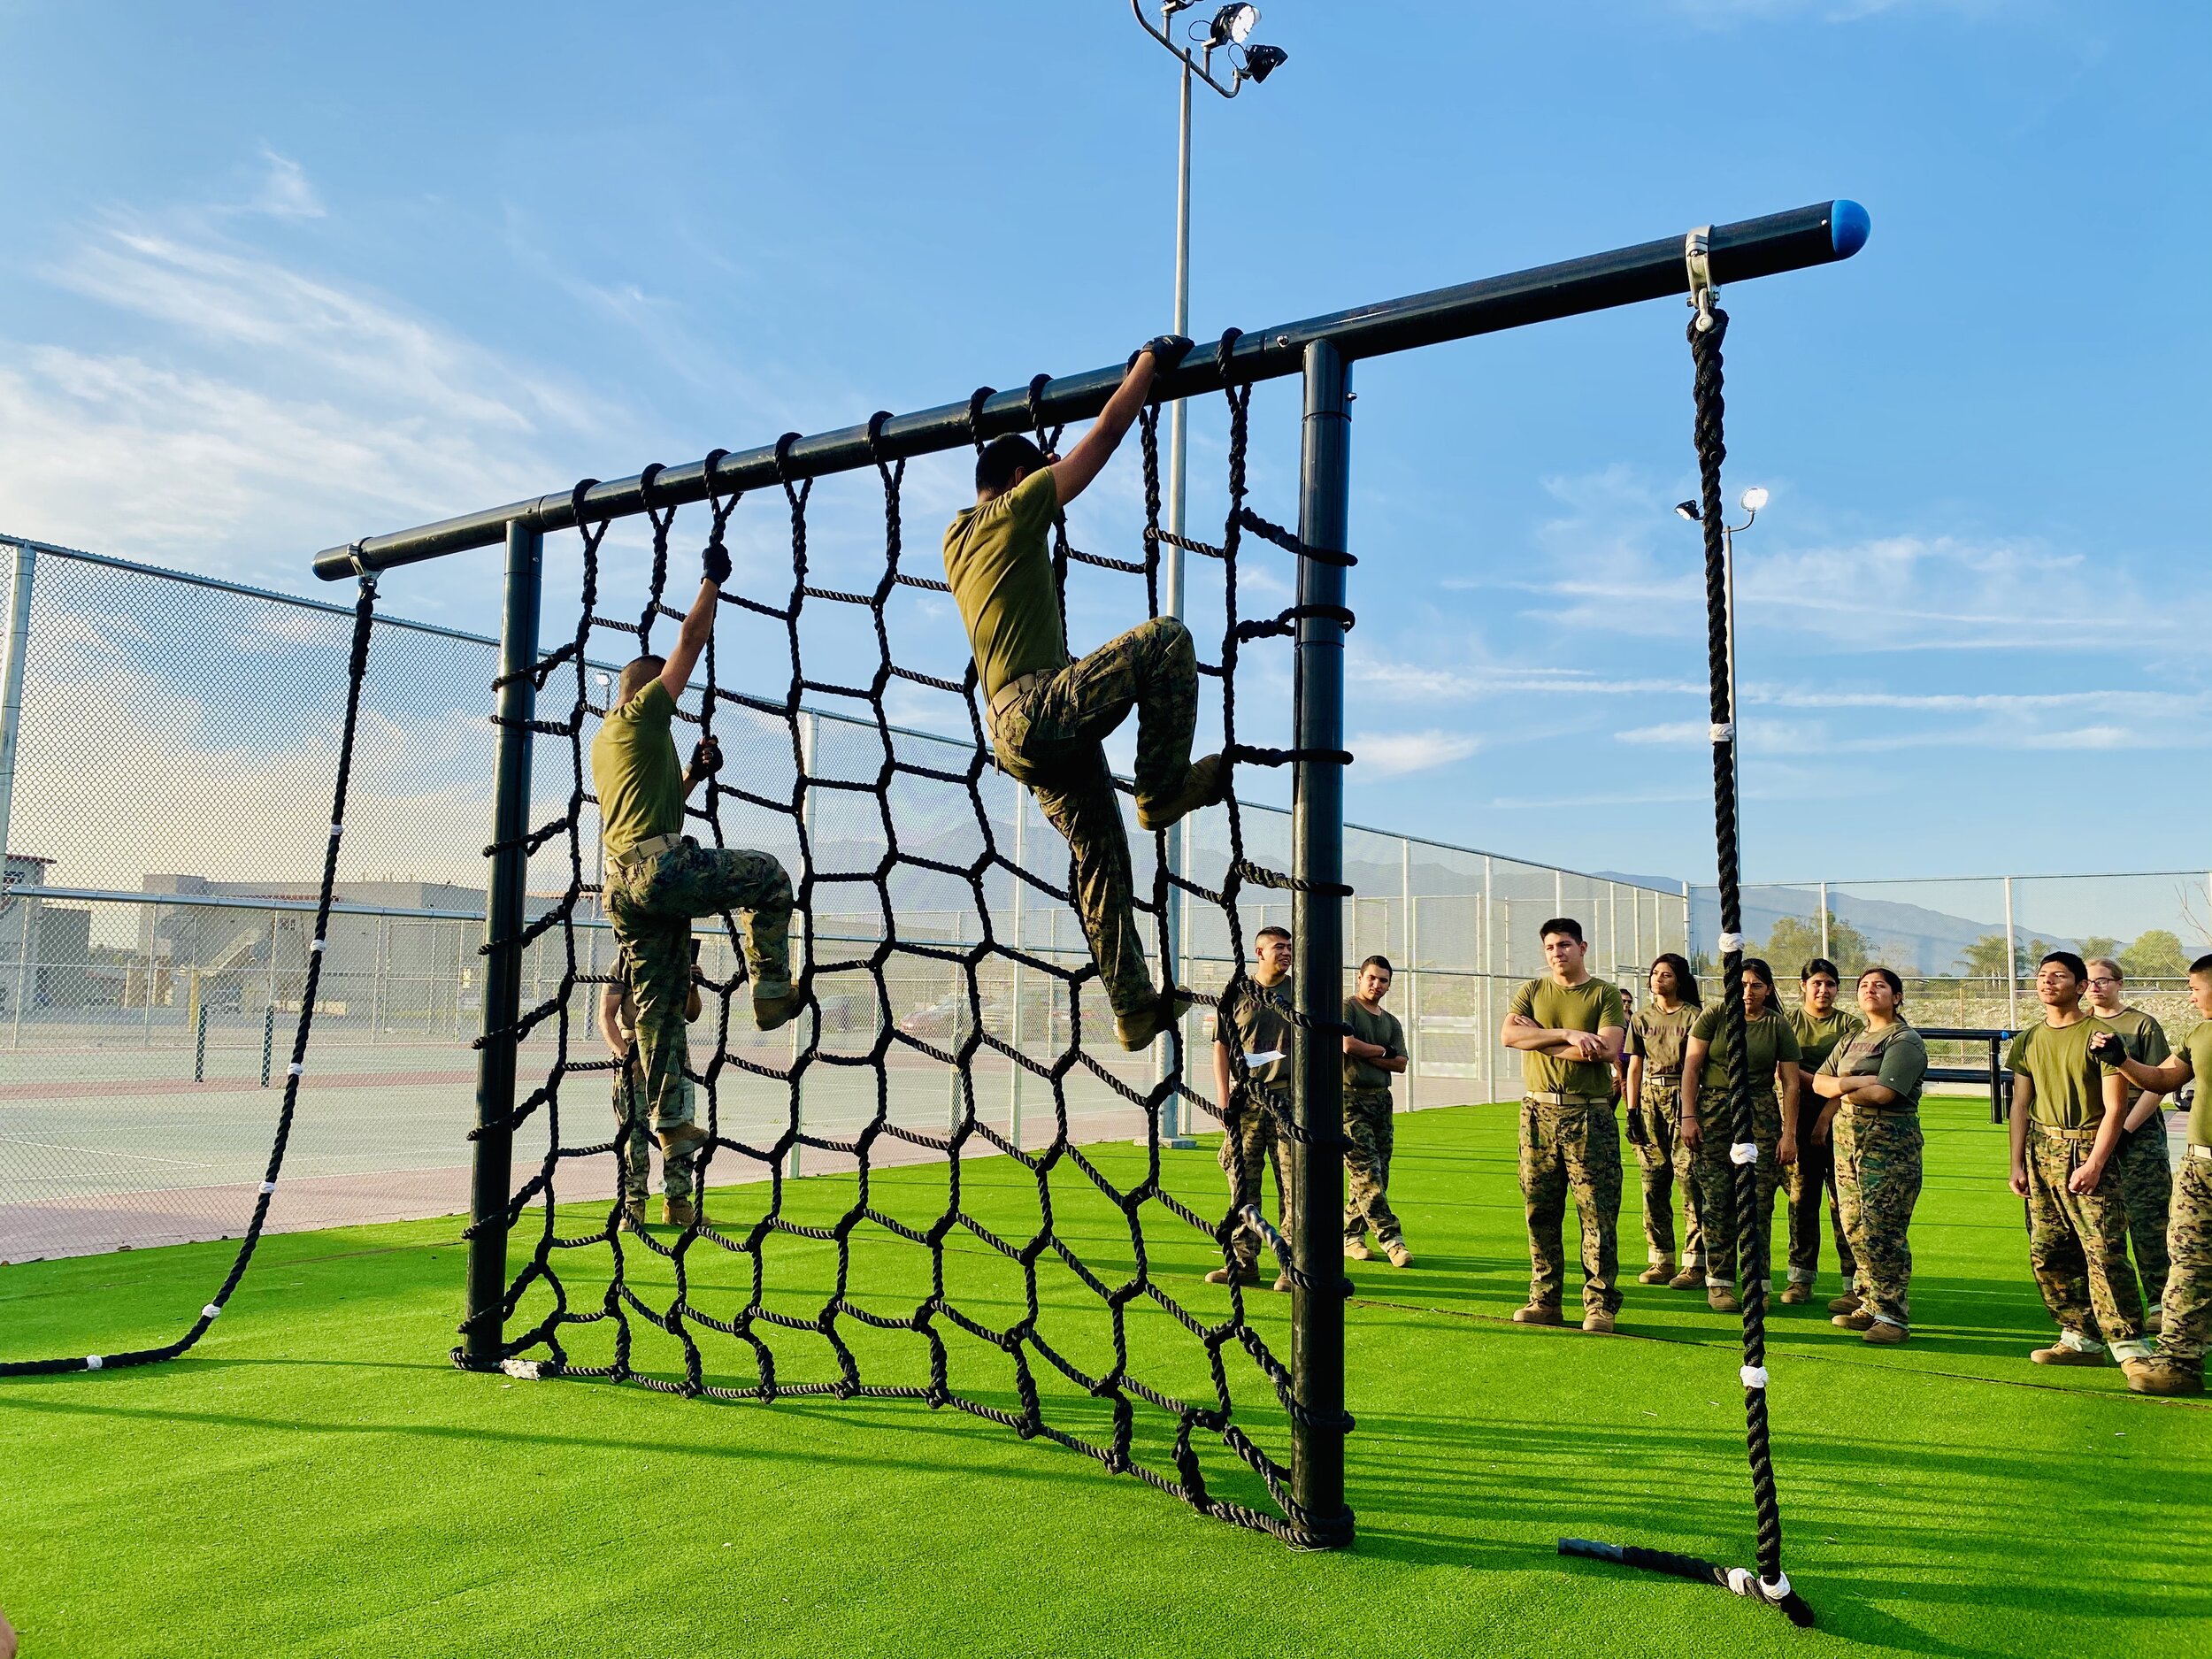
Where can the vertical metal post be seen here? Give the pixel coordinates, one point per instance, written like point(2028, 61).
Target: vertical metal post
point(1014, 1067)
point(1411, 929)
point(1688, 943)
point(810, 753)
point(268, 1042)
point(1317, 856)
point(2012, 966)
point(1824, 921)
point(1485, 923)
point(1558, 892)
point(26, 920)
point(494, 1175)
point(199, 1043)
point(1613, 927)
point(16, 645)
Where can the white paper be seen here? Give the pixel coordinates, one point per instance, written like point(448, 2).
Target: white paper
point(1268, 1058)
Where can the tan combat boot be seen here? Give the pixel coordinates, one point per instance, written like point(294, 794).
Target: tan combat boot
point(679, 1212)
point(1795, 1292)
point(1657, 1273)
point(1399, 1256)
point(1882, 1333)
point(2059, 1353)
point(1858, 1319)
point(1242, 1276)
point(1845, 1303)
point(1537, 1313)
point(2160, 1376)
point(1688, 1278)
point(775, 1003)
point(1598, 1322)
point(679, 1138)
point(1202, 785)
point(1356, 1250)
point(1720, 1298)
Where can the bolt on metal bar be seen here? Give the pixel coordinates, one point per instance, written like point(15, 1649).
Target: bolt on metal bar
point(1817, 235)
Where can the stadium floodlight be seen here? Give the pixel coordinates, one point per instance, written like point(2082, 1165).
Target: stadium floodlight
point(1754, 498)
point(1261, 62)
point(1687, 510)
point(1232, 25)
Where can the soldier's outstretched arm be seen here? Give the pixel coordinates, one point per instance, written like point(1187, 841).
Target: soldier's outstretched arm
point(1072, 474)
point(698, 625)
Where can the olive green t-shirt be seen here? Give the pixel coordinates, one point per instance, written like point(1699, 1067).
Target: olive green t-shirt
point(1591, 1006)
point(1000, 567)
point(1767, 1040)
point(1660, 1037)
point(1896, 1058)
point(1260, 1015)
point(2068, 1080)
point(1381, 1028)
point(2145, 1041)
point(1817, 1039)
point(2196, 1049)
point(635, 773)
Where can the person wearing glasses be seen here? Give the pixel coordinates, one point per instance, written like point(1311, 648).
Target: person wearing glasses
point(2067, 1108)
point(2146, 1173)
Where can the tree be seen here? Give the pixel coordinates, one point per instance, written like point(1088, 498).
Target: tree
point(2155, 954)
point(1795, 940)
point(1985, 958)
point(2096, 945)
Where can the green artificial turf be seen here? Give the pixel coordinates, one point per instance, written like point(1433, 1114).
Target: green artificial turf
point(315, 1479)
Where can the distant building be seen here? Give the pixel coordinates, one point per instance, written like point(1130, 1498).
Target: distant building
point(45, 947)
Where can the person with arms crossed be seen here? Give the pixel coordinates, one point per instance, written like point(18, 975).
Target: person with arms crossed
point(1657, 1034)
point(1048, 715)
point(2145, 1171)
point(2067, 1109)
point(2177, 1366)
point(1771, 1054)
point(659, 879)
point(1374, 1052)
point(1820, 1025)
point(1869, 1089)
point(1254, 1012)
point(1569, 1028)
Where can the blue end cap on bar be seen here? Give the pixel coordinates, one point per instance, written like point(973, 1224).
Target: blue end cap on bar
point(1848, 227)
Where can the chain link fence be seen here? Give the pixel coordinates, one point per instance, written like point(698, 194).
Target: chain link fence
point(173, 751)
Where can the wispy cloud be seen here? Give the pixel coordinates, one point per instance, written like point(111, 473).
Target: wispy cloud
point(1395, 753)
point(285, 191)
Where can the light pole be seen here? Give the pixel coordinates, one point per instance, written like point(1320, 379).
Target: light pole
point(1229, 32)
point(1753, 499)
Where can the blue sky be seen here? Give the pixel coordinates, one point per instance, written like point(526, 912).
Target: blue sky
point(281, 276)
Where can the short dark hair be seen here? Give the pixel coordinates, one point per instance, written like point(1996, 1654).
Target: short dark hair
point(2202, 965)
point(1566, 925)
point(1820, 964)
point(636, 675)
point(1000, 459)
point(1896, 985)
point(1755, 967)
point(1378, 962)
point(1685, 981)
point(1271, 932)
point(2069, 961)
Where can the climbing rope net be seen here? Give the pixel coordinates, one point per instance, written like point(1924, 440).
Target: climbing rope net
point(803, 1292)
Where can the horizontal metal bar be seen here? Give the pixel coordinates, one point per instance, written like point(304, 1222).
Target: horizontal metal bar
point(1818, 234)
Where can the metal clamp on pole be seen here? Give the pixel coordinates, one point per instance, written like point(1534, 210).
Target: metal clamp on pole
point(1697, 255)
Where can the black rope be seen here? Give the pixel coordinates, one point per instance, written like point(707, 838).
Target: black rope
point(356, 673)
point(542, 1349)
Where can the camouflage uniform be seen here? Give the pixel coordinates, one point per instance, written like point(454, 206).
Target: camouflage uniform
point(633, 1131)
point(650, 902)
point(1657, 1037)
point(1253, 1134)
point(2078, 1244)
point(2140, 1162)
point(1369, 1125)
point(1813, 1177)
point(2188, 1306)
point(1877, 1180)
point(1046, 728)
point(1572, 1149)
point(1769, 1039)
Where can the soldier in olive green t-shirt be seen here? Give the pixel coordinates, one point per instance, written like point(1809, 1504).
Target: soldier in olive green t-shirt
point(1819, 1026)
point(1374, 1052)
point(1771, 1053)
point(1569, 1028)
point(2139, 1163)
point(1048, 715)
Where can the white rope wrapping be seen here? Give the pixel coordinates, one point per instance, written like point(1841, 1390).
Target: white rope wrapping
point(1753, 1376)
point(93, 1362)
point(210, 1311)
point(1742, 1581)
point(525, 1369)
point(336, 830)
point(268, 1186)
point(1723, 732)
point(318, 945)
point(1775, 1589)
point(1731, 942)
point(1744, 1152)
point(296, 1069)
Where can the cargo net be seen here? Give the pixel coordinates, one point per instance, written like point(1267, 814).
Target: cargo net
point(950, 1266)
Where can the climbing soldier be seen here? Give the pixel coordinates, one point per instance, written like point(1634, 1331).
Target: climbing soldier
point(2177, 1366)
point(1869, 1089)
point(658, 879)
point(1374, 1051)
point(1255, 1014)
point(1569, 1028)
point(1770, 1058)
point(1657, 1033)
point(1049, 715)
point(1820, 1025)
point(2067, 1108)
point(2145, 1171)
point(633, 1144)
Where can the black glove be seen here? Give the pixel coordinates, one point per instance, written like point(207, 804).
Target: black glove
point(706, 758)
point(1167, 350)
point(714, 564)
point(2106, 1046)
point(1637, 1136)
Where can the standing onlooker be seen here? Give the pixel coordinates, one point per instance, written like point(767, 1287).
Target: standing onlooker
point(1820, 1025)
point(1770, 1053)
point(1374, 1051)
point(1569, 1027)
point(1870, 1085)
point(2177, 1366)
point(2067, 1106)
point(2145, 1171)
point(1657, 1035)
point(1258, 1011)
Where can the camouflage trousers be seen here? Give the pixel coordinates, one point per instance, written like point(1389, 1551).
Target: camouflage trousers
point(633, 1142)
point(2078, 1246)
point(2146, 1174)
point(1658, 1156)
point(1049, 738)
point(1812, 1185)
point(1571, 1150)
point(651, 903)
point(2188, 1306)
point(1369, 1125)
point(1710, 1181)
point(1878, 1182)
point(1252, 1142)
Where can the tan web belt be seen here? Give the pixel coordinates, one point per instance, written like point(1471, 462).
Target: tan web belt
point(2195, 1151)
point(2056, 1134)
point(1014, 690)
point(1550, 1098)
point(651, 847)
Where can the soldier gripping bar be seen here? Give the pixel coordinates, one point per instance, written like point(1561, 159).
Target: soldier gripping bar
point(1819, 234)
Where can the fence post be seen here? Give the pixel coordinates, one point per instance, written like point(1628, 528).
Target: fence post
point(809, 752)
point(1317, 1477)
point(1488, 925)
point(1014, 999)
point(1410, 928)
point(493, 1178)
point(16, 643)
point(1824, 921)
point(29, 918)
point(199, 1042)
point(2012, 966)
point(268, 1042)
